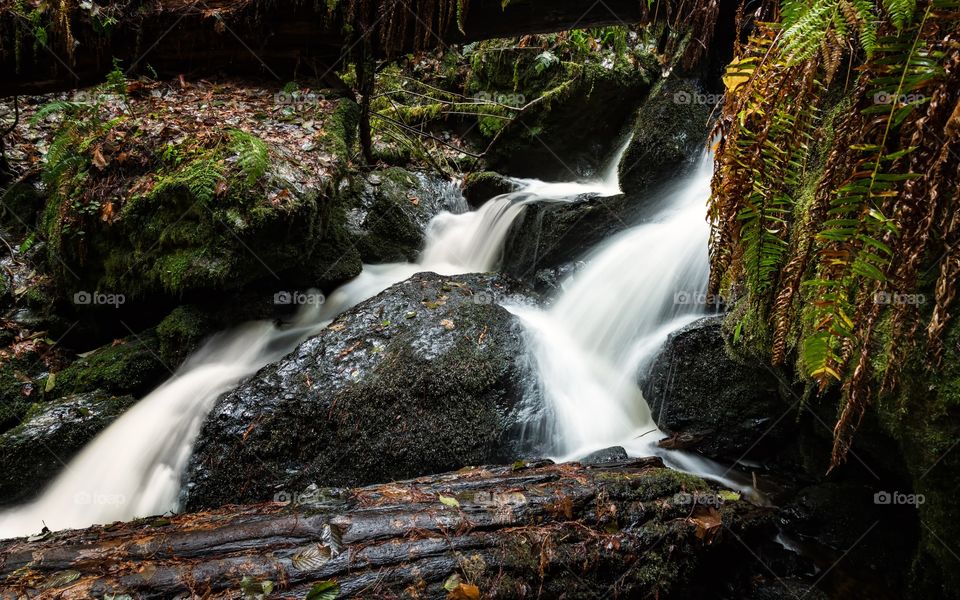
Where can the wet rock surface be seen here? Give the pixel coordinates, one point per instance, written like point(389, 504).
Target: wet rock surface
point(715, 405)
point(669, 131)
point(49, 436)
point(390, 211)
point(419, 379)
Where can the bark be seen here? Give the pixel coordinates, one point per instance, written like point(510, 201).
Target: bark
point(538, 531)
point(247, 37)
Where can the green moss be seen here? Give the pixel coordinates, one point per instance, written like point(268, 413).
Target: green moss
point(16, 393)
point(132, 366)
point(340, 130)
point(181, 332)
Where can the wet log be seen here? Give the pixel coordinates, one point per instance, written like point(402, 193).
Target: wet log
point(251, 37)
point(633, 529)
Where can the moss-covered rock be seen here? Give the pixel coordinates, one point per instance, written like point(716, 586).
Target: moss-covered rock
point(924, 419)
point(718, 406)
point(35, 451)
point(133, 212)
point(668, 132)
point(420, 379)
point(19, 388)
point(128, 366)
point(390, 211)
point(181, 332)
point(579, 108)
point(484, 185)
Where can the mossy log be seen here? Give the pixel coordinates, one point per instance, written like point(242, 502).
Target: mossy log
point(39, 54)
point(541, 530)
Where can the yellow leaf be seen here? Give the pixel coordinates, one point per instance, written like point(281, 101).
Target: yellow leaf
point(464, 591)
point(738, 73)
point(449, 501)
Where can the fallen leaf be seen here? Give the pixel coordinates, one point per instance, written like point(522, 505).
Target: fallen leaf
point(325, 590)
point(464, 591)
point(98, 160)
point(708, 523)
point(449, 501)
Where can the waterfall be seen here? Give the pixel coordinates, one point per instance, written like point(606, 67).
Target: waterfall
point(609, 321)
point(133, 468)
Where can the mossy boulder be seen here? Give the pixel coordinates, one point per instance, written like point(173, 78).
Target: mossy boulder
point(484, 185)
point(924, 420)
point(669, 131)
point(717, 405)
point(34, 452)
point(390, 211)
point(181, 332)
point(423, 378)
point(213, 213)
point(20, 386)
point(572, 110)
point(130, 365)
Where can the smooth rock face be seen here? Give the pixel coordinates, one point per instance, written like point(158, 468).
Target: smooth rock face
point(35, 451)
point(423, 378)
point(605, 455)
point(718, 406)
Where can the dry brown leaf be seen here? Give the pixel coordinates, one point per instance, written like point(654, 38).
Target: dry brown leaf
point(464, 591)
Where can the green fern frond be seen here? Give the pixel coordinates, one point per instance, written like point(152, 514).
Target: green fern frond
point(253, 155)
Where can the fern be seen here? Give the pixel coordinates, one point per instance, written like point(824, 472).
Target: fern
point(199, 178)
point(253, 156)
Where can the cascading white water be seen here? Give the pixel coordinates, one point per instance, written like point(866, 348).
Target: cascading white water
point(609, 321)
point(133, 468)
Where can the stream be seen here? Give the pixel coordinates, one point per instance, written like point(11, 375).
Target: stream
point(606, 324)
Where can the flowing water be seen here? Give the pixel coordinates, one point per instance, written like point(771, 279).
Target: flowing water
point(133, 468)
point(607, 325)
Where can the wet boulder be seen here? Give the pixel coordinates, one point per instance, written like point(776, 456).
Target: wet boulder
point(51, 433)
point(424, 377)
point(714, 404)
point(550, 235)
point(390, 209)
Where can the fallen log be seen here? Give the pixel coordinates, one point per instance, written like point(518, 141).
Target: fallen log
point(72, 44)
point(632, 529)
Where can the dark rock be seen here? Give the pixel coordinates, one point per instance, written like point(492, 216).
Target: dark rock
point(388, 218)
point(51, 434)
point(424, 377)
point(567, 134)
point(669, 132)
point(720, 407)
point(549, 234)
point(777, 589)
point(482, 186)
point(849, 527)
point(606, 455)
point(181, 332)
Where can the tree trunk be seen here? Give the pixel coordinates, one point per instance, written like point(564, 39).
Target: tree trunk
point(258, 37)
point(545, 530)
